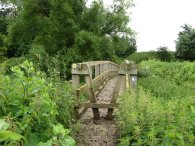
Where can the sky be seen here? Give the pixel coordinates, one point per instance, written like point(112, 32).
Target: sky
point(158, 22)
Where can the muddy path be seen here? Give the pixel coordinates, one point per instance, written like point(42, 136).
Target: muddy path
point(98, 132)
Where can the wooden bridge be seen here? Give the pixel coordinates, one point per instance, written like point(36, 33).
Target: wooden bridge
point(101, 82)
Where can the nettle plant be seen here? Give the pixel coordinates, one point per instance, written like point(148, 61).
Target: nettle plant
point(28, 103)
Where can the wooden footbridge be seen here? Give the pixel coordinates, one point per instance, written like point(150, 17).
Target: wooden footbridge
point(101, 82)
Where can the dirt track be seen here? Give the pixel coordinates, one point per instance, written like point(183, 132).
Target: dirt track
point(100, 132)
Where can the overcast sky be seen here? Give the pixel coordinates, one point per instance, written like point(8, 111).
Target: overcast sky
point(157, 22)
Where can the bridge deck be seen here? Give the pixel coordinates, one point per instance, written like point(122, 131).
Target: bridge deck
point(101, 132)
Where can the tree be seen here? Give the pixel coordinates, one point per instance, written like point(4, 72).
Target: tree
point(164, 54)
point(68, 29)
point(185, 43)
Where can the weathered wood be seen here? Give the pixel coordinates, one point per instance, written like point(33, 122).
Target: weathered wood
point(91, 94)
point(97, 70)
point(114, 96)
point(133, 76)
point(100, 105)
point(101, 71)
point(97, 82)
point(122, 84)
point(90, 90)
point(75, 82)
point(133, 81)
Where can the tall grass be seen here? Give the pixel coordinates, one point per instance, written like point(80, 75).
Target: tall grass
point(146, 120)
point(163, 111)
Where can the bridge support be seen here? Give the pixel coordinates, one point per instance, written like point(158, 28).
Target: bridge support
point(127, 78)
point(101, 73)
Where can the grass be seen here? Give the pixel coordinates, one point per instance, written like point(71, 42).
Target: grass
point(163, 111)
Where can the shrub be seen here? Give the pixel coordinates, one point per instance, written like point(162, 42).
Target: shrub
point(178, 72)
point(141, 56)
point(146, 120)
point(33, 104)
point(164, 54)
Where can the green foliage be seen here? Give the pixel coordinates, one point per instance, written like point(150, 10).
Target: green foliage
point(146, 120)
point(8, 137)
point(3, 48)
point(141, 56)
point(164, 54)
point(60, 137)
point(178, 72)
point(185, 44)
point(68, 31)
point(32, 104)
point(165, 89)
point(162, 112)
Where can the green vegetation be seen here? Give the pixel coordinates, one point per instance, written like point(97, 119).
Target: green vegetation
point(40, 39)
point(141, 56)
point(164, 54)
point(163, 111)
point(185, 44)
point(33, 106)
point(58, 33)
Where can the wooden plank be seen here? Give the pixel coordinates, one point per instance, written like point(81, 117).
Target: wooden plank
point(75, 82)
point(92, 96)
point(97, 72)
point(133, 81)
point(114, 96)
point(90, 88)
point(122, 84)
point(100, 105)
point(97, 82)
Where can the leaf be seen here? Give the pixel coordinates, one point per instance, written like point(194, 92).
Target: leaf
point(48, 143)
point(69, 141)
point(59, 129)
point(7, 135)
point(3, 124)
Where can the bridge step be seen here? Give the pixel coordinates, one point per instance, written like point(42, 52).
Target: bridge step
point(101, 105)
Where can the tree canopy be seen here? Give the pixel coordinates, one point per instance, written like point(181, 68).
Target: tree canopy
point(185, 44)
point(70, 30)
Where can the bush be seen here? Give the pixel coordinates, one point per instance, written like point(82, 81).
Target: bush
point(178, 72)
point(163, 111)
point(141, 56)
point(146, 120)
point(33, 104)
point(164, 54)
point(165, 89)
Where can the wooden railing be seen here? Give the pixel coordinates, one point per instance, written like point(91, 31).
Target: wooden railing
point(126, 79)
point(96, 74)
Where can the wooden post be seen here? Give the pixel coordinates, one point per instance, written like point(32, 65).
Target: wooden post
point(114, 96)
point(75, 82)
point(122, 85)
point(75, 85)
point(101, 69)
point(97, 70)
point(133, 76)
point(91, 93)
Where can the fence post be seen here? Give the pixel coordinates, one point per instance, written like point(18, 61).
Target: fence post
point(75, 85)
point(91, 93)
point(133, 76)
point(97, 70)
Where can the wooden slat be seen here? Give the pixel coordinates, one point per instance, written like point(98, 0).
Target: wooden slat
point(100, 105)
point(114, 96)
